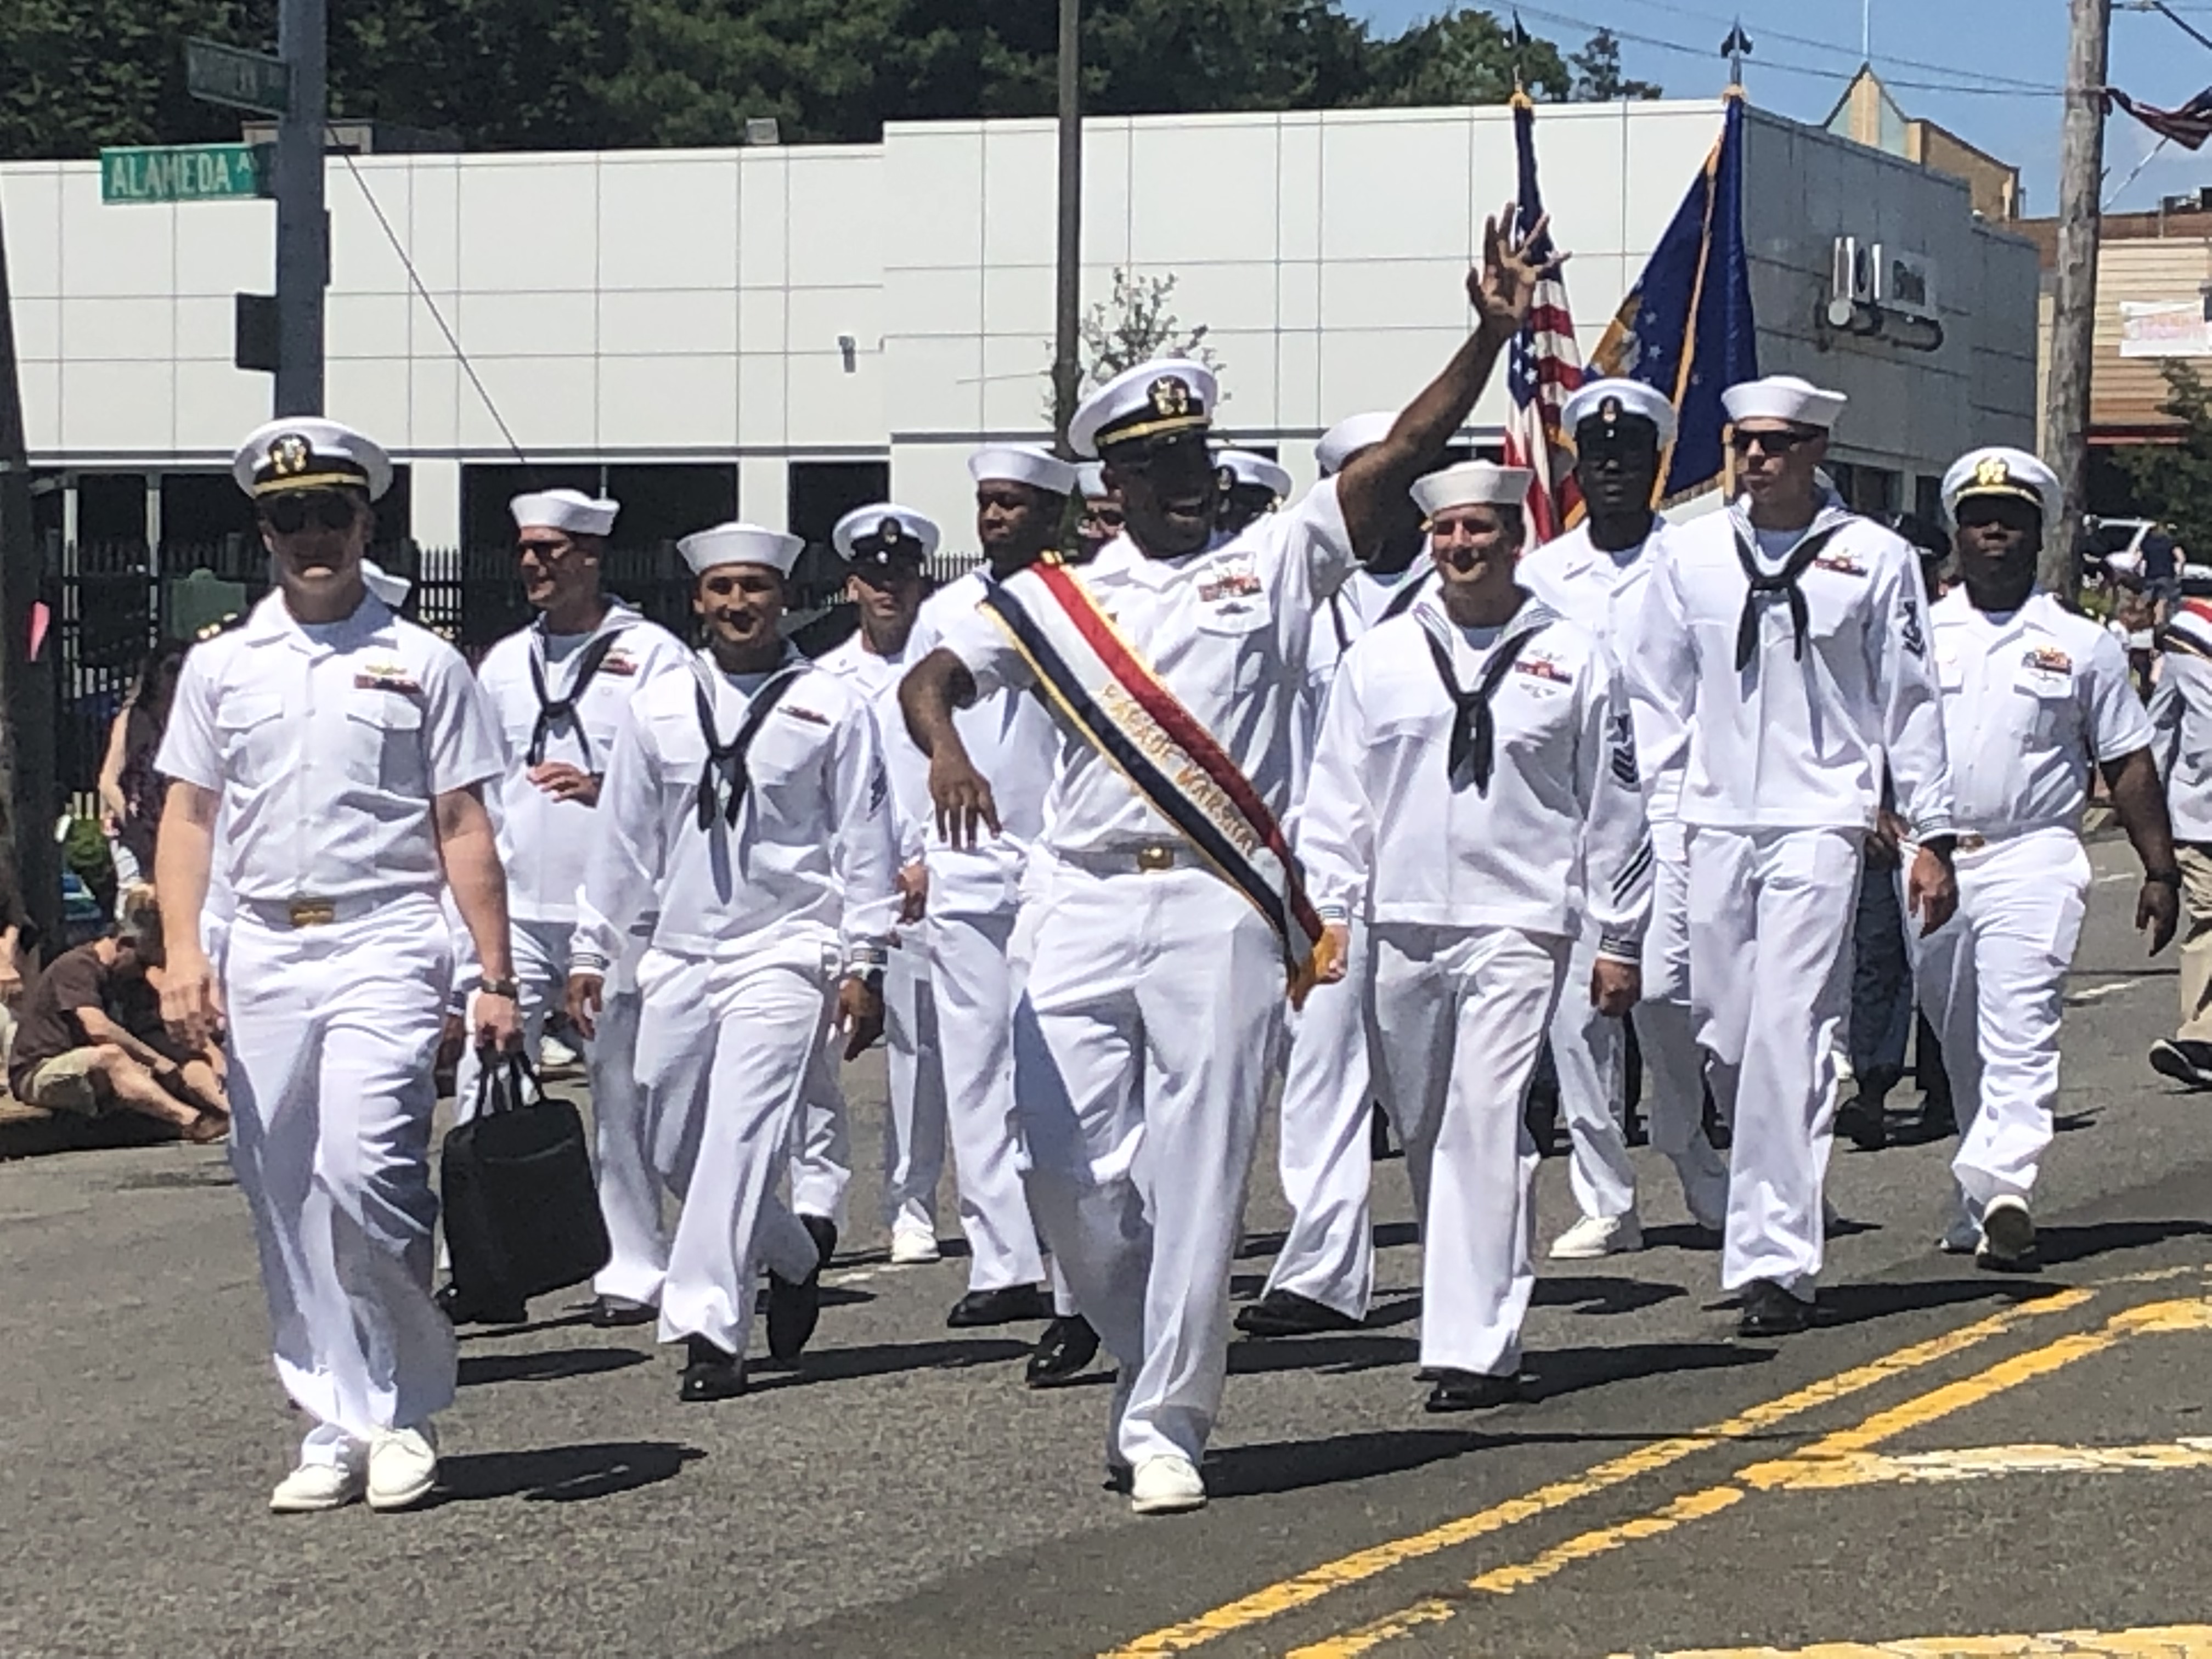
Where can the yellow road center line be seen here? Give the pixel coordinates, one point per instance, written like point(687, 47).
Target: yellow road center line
point(1311, 1586)
point(2157, 1642)
point(1916, 1413)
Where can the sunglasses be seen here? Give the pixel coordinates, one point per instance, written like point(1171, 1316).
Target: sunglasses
point(288, 515)
point(1769, 443)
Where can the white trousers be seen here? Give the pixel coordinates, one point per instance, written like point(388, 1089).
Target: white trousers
point(1324, 1156)
point(1993, 982)
point(723, 1052)
point(914, 1125)
point(1141, 1049)
point(333, 1033)
point(1459, 1017)
point(1771, 981)
point(972, 991)
point(1588, 1049)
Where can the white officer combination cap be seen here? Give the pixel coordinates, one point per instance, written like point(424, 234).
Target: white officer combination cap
point(1783, 398)
point(882, 533)
point(1609, 401)
point(1349, 437)
point(391, 589)
point(306, 452)
point(1158, 399)
point(1247, 470)
point(1472, 484)
point(569, 510)
point(1023, 463)
point(740, 543)
point(1090, 480)
point(1997, 470)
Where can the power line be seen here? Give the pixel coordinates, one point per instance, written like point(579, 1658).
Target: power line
point(1767, 32)
point(436, 316)
point(1706, 53)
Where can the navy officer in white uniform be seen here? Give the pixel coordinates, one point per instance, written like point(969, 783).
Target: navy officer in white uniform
point(348, 755)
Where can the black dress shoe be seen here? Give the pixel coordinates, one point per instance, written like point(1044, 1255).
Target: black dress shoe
point(1068, 1345)
point(795, 1307)
point(1471, 1391)
point(609, 1312)
point(709, 1373)
point(1012, 1305)
point(1863, 1123)
point(1770, 1311)
point(465, 1310)
point(1285, 1313)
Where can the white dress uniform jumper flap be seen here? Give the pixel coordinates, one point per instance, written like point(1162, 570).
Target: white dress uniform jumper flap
point(328, 744)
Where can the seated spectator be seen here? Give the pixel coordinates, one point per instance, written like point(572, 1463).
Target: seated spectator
point(89, 1039)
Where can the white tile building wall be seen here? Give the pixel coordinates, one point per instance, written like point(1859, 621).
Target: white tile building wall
point(690, 305)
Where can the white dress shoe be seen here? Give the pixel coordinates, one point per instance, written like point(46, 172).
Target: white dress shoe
point(1166, 1485)
point(1594, 1236)
point(402, 1467)
point(2008, 1233)
point(914, 1246)
point(315, 1486)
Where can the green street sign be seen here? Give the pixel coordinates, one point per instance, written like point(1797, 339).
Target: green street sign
point(187, 172)
point(217, 74)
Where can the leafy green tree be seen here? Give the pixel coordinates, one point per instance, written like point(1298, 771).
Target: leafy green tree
point(2173, 482)
point(1598, 79)
point(1464, 58)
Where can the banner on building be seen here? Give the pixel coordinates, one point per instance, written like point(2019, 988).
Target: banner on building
point(2164, 328)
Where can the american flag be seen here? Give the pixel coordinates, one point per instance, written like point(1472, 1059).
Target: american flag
point(1545, 365)
point(2188, 126)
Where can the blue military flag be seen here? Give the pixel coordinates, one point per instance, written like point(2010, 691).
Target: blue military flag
point(1686, 328)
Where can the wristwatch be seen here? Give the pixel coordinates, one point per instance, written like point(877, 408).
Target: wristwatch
point(499, 988)
point(2164, 878)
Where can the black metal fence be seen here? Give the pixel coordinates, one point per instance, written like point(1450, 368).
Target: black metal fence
point(111, 604)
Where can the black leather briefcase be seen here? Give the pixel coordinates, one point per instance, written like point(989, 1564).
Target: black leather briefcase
point(522, 1214)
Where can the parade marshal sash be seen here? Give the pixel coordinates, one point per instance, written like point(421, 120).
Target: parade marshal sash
point(1121, 709)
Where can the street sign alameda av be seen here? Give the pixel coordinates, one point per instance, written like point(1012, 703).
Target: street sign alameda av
point(185, 172)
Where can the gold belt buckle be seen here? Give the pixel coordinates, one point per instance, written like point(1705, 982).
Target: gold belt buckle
point(311, 912)
point(1972, 843)
point(1155, 858)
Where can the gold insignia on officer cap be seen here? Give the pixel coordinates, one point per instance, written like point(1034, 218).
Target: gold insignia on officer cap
point(1992, 473)
point(289, 455)
point(1171, 395)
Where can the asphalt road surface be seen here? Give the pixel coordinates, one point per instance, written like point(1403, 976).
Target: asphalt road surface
point(1949, 1456)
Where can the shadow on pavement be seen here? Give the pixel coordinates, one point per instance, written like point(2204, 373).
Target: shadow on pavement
point(1599, 1293)
point(1550, 1372)
point(1339, 1354)
point(1855, 1305)
point(560, 1474)
point(1294, 1464)
point(547, 1365)
point(887, 1359)
point(2060, 1245)
point(573, 1320)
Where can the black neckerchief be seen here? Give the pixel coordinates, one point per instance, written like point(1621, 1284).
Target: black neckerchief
point(1475, 729)
point(551, 711)
point(726, 762)
point(1764, 586)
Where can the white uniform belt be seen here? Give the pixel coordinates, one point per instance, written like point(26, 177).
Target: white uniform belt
point(307, 910)
point(1144, 856)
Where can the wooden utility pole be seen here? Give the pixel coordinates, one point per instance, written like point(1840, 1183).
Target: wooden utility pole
point(26, 684)
point(1067, 313)
point(2074, 289)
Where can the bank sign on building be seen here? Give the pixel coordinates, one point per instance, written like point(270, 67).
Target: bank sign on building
point(782, 331)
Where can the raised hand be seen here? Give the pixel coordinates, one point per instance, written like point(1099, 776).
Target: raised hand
point(1503, 286)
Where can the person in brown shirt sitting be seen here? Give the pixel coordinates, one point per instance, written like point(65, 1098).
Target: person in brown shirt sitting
point(89, 1039)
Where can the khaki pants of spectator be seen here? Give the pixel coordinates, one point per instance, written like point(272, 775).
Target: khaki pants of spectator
point(2196, 944)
